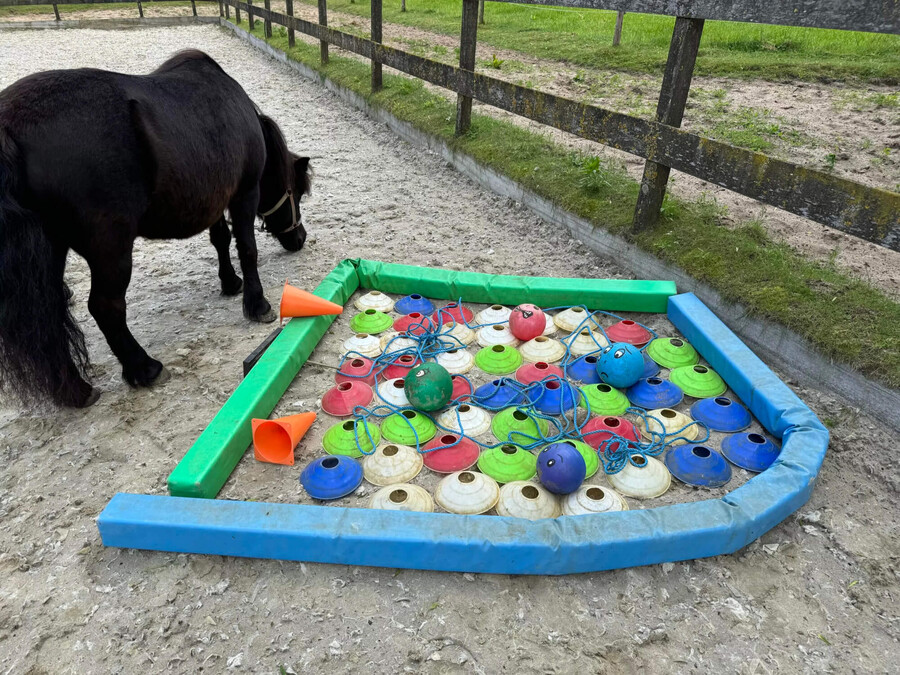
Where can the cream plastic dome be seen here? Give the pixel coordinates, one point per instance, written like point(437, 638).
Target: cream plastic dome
point(593, 499)
point(524, 499)
point(402, 497)
point(363, 343)
point(649, 479)
point(392, 463)
point(393, 392)
point(668, 421)
point(475, 421)
point(497, 334)
point(542, 348)
point(493, 314)
point(456, 361)
point(467, 493)
point(374, 300)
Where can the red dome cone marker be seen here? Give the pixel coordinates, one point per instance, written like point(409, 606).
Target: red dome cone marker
point(296, 302)
point(274, 440)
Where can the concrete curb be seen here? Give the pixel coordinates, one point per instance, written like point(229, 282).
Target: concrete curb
point(111, 24)
point(778, 345)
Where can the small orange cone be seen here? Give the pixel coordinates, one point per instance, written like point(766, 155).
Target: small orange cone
point(295, 302)
point(274, 440)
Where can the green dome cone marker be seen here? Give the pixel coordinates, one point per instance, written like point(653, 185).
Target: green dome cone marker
point(672, 352)
point(604, 400)
point(525, 429)
point(498, 359)
point(507, 463)
point(428, 387)
point(591, 459)
point(371, 321)
point(341, 439)
point(398, 428)
point(698, 381)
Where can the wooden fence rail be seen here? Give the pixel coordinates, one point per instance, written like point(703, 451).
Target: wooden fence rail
point(870, 213)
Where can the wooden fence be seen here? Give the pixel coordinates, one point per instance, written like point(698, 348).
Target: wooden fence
point(870, 213)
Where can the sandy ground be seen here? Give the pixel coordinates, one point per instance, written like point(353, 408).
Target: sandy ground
point(816, 594)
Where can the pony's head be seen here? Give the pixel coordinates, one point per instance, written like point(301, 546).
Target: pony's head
point(286, 178)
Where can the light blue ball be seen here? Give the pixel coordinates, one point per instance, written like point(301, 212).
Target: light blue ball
point(620, 365)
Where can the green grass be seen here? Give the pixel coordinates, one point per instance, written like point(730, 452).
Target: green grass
point(47, 10)
point(728, 49)
point(843, 317)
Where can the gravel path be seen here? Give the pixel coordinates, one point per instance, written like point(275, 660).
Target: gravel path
point(817, 593)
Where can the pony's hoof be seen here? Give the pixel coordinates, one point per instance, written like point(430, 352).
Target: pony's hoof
point(268, 317)
point(163, 377)
point(263, 313)
point(232, 286)
point(92, 398)
point(150, 377)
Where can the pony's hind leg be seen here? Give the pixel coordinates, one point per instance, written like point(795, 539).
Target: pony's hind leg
point(220, 236)
point(243, 214)
point(110, 276)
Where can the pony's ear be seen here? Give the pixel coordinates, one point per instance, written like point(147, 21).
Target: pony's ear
point(302, 175)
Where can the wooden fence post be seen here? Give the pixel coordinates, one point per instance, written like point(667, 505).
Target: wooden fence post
point(250, 16)
point(467, 44)
point(221, 8)
point(376, 37)
point(194, 7)
point(675, 87)
point(267, 24)
point(481, 12)
point(227, 10)
point(289, 7)
point(56, 12)
point(323, 21)
point(140, 9)
point(617, 35)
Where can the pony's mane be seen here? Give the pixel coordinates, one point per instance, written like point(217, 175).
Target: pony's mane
point(277, 150)
point(187, 56)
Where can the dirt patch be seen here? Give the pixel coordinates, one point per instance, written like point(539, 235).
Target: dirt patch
point(813, 594)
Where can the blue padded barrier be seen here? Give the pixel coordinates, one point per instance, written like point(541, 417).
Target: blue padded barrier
point(508, 545)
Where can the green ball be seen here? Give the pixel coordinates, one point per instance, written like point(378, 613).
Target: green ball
point(428, 387)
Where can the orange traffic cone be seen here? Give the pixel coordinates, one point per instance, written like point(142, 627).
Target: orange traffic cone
point(274, 440)
point(295, 302)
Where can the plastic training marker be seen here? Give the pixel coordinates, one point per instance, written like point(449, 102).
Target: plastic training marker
point(543, 349)
point(274, 440)
point(467, 493)
point(455, 453)
point(407, 427)
point(535, 372)
point(499, 394)
point(400, 367)
point(391, 464)
point(698, 465)
point(672, 352)
point(651, 367)
point(585, 342)
point(350, 438)
point(374, 300)
point(753, 452)
point(428, 387)
point(629, 332)
point(556, 397)
point(604, 400)
point(459, 335)
point(561, 468)
point(414, 303)
point(462, 389)
point(454, 312)
point(343, 398)
point(570, 319)
point(328, 478)
point(393, 342)
point(359, 369)
point(698, 381)
point(600, 429)
point(496, 334)
point(371, 321)
point(593, 499)
point(677, 427)
point(654, 393)
point(721, 414)
point(393, 392)
point(508, 463)
point(514, 425)
point(296, 303)
point(521, 499)
point(584, 369)
point(498, 360)
point(414, 323)
point(493, 314)
point(402, 497)
point(456, 361)
point(642, 478)
point(363, 344)
point(466, 419)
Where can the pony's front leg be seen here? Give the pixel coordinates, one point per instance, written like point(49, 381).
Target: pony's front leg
point(110, 276)
point(243, 215)
point(220, 236)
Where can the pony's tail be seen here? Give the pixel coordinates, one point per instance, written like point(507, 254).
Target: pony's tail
point(42, 350)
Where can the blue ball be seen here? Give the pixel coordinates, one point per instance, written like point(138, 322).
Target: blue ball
point(620, 365)
point(561, 468)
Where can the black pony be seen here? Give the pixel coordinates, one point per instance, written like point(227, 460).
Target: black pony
point(89, 161)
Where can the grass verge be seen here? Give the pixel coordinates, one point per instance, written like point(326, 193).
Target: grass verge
point(727, 49)
point(45, 12)
point(843, 317)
